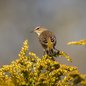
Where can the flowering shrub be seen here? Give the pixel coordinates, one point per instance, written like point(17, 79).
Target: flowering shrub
point(81, 42)
point(30, 70)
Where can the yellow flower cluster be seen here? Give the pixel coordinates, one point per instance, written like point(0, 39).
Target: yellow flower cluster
point(81, 42)
point(30, 70)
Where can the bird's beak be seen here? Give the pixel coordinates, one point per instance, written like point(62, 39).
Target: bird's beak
point(32, 31)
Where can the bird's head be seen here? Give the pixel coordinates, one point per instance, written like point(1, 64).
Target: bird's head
point(38, 30)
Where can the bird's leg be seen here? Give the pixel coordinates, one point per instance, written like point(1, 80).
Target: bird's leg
point(56, 52)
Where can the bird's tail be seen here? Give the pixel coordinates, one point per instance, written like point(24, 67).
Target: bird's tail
point(52, 52)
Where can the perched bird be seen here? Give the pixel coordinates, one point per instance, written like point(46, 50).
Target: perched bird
point(47, 39)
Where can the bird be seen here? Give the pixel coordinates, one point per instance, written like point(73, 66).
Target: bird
point(47, 39)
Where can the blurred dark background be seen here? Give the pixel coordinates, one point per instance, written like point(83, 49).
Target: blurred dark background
point(66, 18)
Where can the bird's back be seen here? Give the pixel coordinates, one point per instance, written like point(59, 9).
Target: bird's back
point(44, 36)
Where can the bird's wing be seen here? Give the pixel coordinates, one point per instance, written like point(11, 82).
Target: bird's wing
point(49, 44)
point(47, 39)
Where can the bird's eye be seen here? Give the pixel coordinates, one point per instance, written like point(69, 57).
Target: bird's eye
point(37, 28)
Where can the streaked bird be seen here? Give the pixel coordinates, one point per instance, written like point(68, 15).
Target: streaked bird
point(47, 39)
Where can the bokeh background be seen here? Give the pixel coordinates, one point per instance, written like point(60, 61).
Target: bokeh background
point(66, 18)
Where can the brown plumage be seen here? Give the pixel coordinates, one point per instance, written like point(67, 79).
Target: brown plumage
point(44, 36)
point(47, 39)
